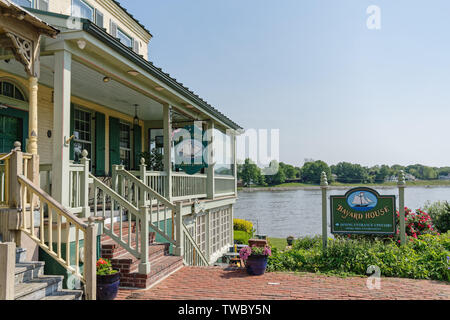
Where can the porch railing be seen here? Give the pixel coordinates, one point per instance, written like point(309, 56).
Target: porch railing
point(186, 186)
point(224, 185)
point(64, 221)
point(144, 207)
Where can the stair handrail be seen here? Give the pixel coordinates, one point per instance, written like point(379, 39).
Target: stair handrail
point(88, 277)
point(147, 189)
point(197, 251)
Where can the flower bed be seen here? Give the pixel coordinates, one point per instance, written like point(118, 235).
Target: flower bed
point(424, 257)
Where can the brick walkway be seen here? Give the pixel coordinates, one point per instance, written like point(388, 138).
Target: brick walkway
point(212, 283)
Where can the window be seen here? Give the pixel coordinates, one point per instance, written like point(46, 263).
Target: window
point(125, 145)
point(83, 133)
point(24, 3)
point(124, 38)
point(82, 10)
point(10, 90)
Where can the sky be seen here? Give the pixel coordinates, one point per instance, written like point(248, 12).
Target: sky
point(336, 90)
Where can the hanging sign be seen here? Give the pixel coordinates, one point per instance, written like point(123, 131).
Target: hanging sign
point(190, 155)
point(363, 211)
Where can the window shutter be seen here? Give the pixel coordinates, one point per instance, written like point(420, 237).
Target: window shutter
point(99, 18)
point(114, 142)
point(100, 144)
point(137, 143)
point(72, 128)
point(136, 46)
point(113, 30)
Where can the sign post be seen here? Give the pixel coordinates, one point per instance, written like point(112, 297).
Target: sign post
point(401, 203)
point(324, 187)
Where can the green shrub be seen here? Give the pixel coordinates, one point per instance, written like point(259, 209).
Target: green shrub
point(440, 214)
point(243, 225)
point(422, 258)
point(241, 237)
point(307, 242)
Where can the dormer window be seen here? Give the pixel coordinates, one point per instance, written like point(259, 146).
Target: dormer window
point(37, 4)
point(124, 38)
point(24, 3)
point(82, 10)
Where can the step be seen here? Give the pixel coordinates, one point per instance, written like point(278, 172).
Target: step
point(127, 263)
point(159, 268)
point(65, 295)
point(21, 254)
point(38, 288)
point(110, 249)
point(26, 271)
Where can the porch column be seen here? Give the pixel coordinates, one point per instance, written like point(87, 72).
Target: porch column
point(210, 182)
point(167, 129)
point(61, 127)
point(32, 146)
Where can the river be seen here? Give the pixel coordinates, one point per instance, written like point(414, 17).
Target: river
point(298, 212)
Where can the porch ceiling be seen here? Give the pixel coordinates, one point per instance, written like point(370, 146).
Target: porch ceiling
point(88, 84)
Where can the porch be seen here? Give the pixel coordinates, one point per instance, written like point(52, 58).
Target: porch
point(104, 152)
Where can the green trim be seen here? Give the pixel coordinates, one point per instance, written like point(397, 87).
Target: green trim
point(22, 115)
point(137, 145)
point(114, 142)
point(100, 144)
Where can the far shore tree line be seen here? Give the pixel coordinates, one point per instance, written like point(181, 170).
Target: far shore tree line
point(344, 172)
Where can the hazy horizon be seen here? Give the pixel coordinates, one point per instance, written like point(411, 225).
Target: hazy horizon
point(336, 90)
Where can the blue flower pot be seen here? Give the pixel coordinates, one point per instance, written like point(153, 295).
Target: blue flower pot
point(256, 265)
point(108, 286)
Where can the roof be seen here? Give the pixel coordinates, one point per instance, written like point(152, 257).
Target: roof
point(43, 27)
point(158, 73)
point(132, 17)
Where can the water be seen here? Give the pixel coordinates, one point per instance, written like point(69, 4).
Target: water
point(299, 212)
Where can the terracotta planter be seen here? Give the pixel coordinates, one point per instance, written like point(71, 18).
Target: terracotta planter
point(256, 265)
point(108, 286)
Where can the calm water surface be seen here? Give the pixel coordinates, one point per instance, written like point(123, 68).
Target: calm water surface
point(298, 212)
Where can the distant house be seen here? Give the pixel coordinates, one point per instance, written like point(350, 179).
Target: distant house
point(408, 177)
point(444, 177)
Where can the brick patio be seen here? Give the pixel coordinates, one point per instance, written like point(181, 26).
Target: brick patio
point(213, 283)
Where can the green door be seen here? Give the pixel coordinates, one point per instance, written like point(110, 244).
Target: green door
point(11, 130)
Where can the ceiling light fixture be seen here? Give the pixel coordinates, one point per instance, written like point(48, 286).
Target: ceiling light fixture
point(133, 73)
point(106, 79)
point(136, 118)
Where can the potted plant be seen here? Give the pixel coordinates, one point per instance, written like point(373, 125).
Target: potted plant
point(290, 240)
point(108, 280)
point(255, 259)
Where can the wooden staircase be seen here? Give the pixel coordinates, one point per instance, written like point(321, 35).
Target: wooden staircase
point(162, 263)
point(32, 284)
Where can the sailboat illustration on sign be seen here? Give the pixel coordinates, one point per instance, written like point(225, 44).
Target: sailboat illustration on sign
point(361, 201)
